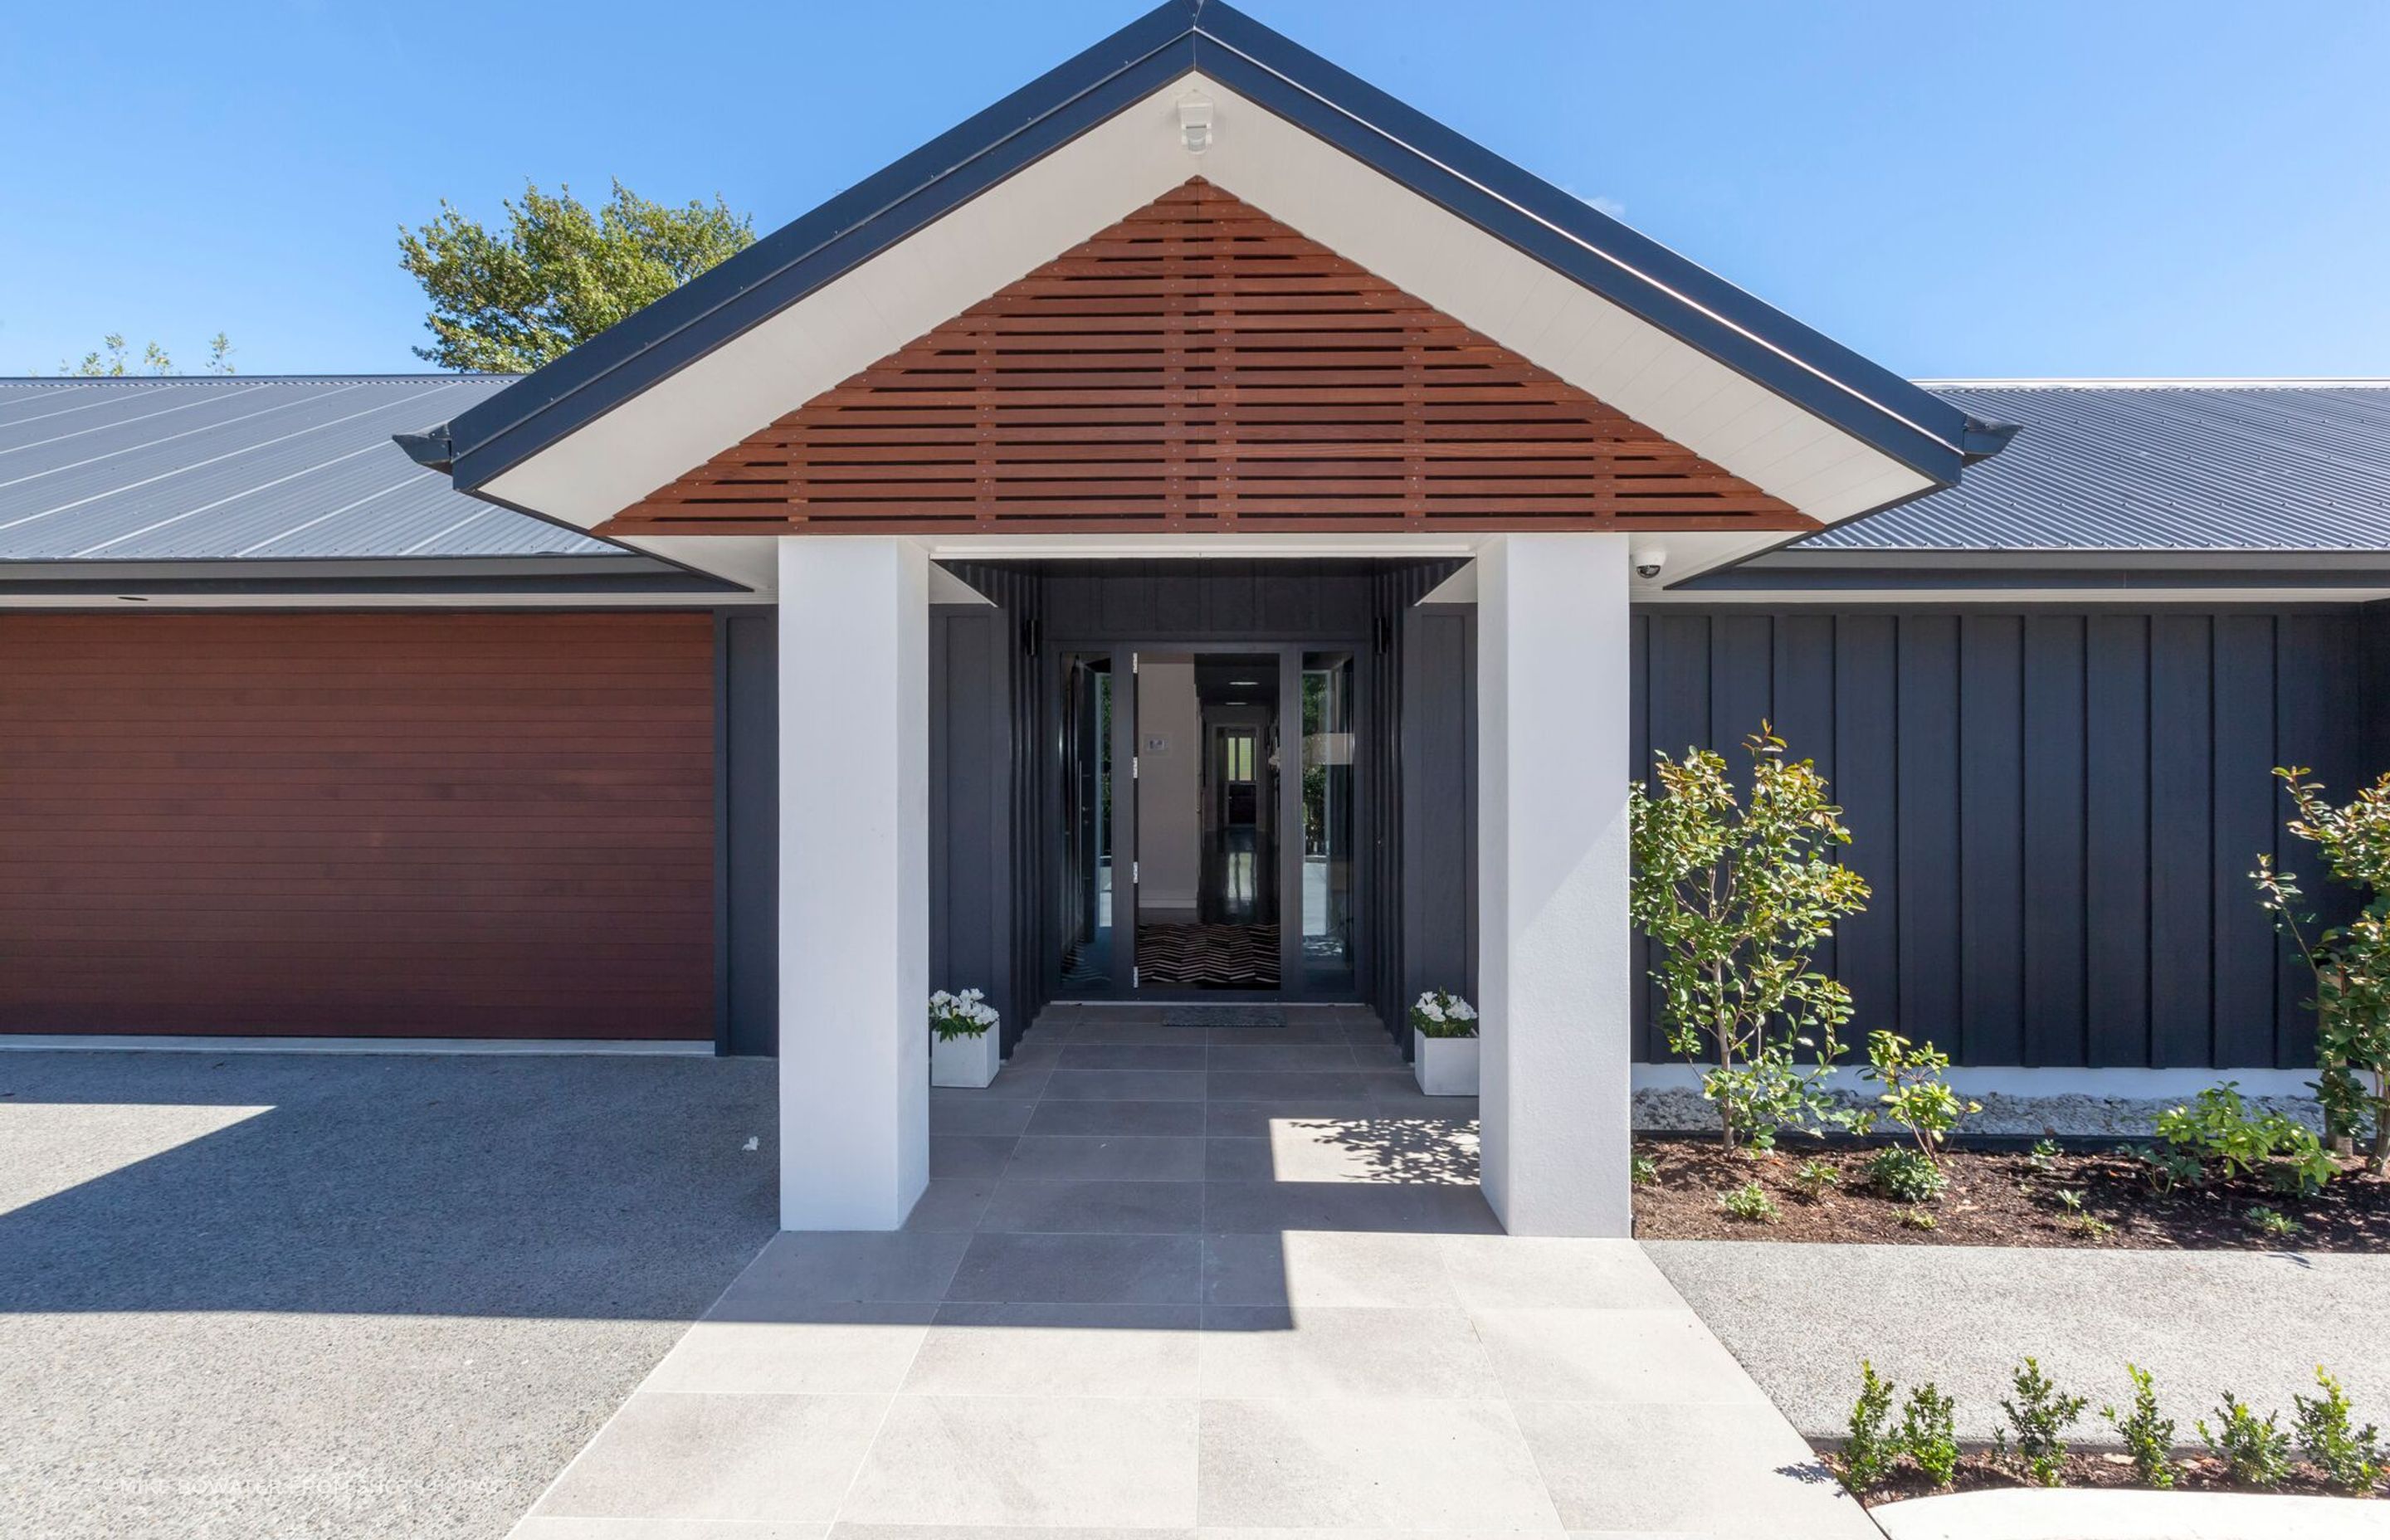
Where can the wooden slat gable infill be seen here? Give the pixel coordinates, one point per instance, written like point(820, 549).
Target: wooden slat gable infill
point(1202, 367)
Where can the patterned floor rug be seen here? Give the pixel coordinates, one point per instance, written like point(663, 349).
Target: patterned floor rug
point(1234, 956)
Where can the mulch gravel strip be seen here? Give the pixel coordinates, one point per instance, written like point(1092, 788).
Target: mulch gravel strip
point(1998, 1198)
point(1979, 1472)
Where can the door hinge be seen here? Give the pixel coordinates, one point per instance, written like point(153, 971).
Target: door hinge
point(1133, 762)
point(1132, 976)
point(1132, 874)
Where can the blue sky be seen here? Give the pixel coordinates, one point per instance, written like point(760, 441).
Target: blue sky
point(2083, 187)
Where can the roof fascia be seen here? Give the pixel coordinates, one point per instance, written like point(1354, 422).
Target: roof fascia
point(1862, 399)
point(800, 257)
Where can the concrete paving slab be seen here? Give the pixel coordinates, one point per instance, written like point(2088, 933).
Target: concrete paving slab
point(2132, 1515)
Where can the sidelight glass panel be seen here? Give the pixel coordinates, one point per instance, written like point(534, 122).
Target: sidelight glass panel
point(1328, 818)
point(1087, 886)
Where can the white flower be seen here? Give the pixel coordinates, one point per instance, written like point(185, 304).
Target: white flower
point(1430, 1009)
point(1461, 1011)
point(753, 1142)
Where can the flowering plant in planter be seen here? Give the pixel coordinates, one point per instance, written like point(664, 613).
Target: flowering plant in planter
point(964, 1015)
point(1441, 1013)
point(964, 1047)
point(1444, 1051)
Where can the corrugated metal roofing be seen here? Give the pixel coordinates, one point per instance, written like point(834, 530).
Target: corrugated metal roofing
point(2157, 466)
point(150, 470)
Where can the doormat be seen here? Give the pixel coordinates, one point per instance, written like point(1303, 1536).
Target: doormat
point(1223, 1016)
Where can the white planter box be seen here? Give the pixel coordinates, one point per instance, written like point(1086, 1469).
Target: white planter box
point(966, 1061)
point(1445, 1066)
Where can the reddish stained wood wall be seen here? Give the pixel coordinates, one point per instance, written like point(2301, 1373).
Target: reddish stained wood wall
point(441, 825)
point(1200, 366)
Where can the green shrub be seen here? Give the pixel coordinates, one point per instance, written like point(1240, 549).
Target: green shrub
point(2069, 1198)
point(1816, 1178)
point(1735, 895)
point(1929, 1433)
point(1643, 1171)
point(2044, 1157)
point(2258, 1452)
point(2039, 1415)
point(2218, 1129)
point(1870, 1449)
point(2165, 1170)
point(2349, 1456)
point(1920, 1219)
point(1906, 1177)
point(1749, 1202)
point(2273, 1222)
point(1916, 1099)
point(2148, 1437)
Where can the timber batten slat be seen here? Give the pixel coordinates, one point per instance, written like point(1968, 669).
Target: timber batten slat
point(1200, 366)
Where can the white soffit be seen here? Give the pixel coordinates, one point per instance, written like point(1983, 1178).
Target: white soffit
point(1118, 167)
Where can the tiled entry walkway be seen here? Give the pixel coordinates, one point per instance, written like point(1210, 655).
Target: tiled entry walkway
point(1172, 1278)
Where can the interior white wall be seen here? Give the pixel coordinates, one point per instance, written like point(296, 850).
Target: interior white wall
point(1554, 978)
point(855, 880)
point(1169, 785)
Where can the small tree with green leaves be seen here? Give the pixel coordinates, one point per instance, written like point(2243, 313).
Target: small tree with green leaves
point(113, 359)
point(557, 273)
point(2351, 962)
point(1735, 894)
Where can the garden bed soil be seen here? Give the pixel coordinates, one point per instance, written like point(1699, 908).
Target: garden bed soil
point(1979, 1472)
point(1998, 1198)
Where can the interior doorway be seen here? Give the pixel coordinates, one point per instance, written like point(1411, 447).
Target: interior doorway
point(1209, 817)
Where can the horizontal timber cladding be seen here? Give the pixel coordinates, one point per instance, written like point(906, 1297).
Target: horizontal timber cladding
point(472, 825)
point(1200, 366)
point(2057, 810)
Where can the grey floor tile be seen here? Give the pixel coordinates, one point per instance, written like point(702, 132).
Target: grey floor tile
point(1326, 1267)
point(1117, 1117)
point(751, 1458)
point(1027, 1082)
point(1528, 1272)
point(1283, 1085)
point(1238, 1160)
point(1317, 1464)
point(970, 1154)
point(1114, 1157)
point(1332, 1056)
point(1617, 1356)
point(866, 1353)
point(1261, 1207)
point(1080, 1269)
point(800, 1270)
point(1704, 1469)
point(1068, 1085)
point(952, 1204)
point(1133, 1350)
point(1377, 1353)
point(1095, 1207)
point(1246, 1119)
point(1013, 1460)
point(954, 1112)
point(1132, 1056)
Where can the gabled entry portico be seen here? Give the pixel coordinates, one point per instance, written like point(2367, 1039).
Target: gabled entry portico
point(1199, 296)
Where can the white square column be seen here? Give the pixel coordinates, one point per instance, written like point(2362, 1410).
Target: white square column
point(855, 880)
point(1553, 966)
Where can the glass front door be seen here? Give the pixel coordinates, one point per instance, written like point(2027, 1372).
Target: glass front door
point(1210, 820)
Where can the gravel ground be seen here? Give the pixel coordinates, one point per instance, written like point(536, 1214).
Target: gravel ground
point(332, 1296)
point(1801, 1317)
point(1683, 1111)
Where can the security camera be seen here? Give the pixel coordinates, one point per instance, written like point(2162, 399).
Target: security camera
point(1647, 565)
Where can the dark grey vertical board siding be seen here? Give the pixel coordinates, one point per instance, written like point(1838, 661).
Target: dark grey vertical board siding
point(2182, 853)
point(2055, 923)
point(1438, 700)
point(2243, 801)
point(2318, 726)
point(2117, 813)
point(1742, 686)
point(1991, 837)
point(971, 815)
point(1926, 748)
point(1866, 762)
point(2057, 810)
point(750, 830)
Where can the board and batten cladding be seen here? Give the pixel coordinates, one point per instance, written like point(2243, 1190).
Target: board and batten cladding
point(2057, 809)
point(452, 824)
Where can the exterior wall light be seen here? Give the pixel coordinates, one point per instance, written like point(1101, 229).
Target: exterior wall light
point(1195, 121)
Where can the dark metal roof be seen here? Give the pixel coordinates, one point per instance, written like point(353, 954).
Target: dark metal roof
point(254, 469)
point(2239, 466)
point(1557, 229)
